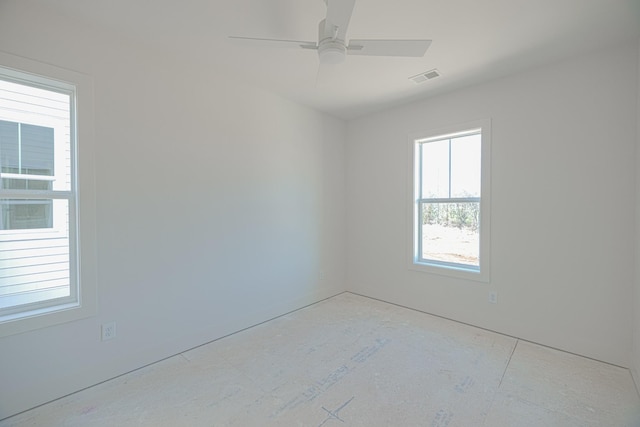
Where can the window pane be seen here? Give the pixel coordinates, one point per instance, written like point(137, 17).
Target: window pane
point(466, 166)
point(26, 149)
point(36, 149)
point(435, 169)
point(450, 232)
point(14, 184)
point(34, 264)
point(26, 184)
point(9, 147)
point(35, 136)
point(26, 214)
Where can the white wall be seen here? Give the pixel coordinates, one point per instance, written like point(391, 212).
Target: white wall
point(219, 206)
point(563, 192)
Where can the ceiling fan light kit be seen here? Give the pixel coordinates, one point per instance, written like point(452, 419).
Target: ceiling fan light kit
point(332, 47)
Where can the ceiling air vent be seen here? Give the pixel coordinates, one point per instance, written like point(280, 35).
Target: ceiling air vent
point(427, 75)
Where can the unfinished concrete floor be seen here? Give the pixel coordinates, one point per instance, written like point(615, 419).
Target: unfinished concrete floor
point(354, 361)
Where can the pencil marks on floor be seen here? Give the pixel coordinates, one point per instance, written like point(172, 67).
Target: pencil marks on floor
point(442, 419)
point(315, 390)
point(335, 414)
point(353, 361)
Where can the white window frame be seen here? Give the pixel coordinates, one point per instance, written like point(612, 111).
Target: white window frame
point(482, 273)
point(82, 210)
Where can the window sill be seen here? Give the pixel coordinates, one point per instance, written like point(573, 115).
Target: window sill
point(457, 272)
point(42, 318)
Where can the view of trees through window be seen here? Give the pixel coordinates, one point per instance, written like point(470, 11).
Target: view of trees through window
point(449, 199)
point(450, 232)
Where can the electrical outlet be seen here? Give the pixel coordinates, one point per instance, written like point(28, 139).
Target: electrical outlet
point(108, 331)
point(493, 297)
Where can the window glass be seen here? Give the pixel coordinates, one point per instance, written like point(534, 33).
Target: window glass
point(26, 214)
point(9, 147)
point(450, 233)
point(435, 169)
point(36, 150)
point(36, 255)
point(466, 166)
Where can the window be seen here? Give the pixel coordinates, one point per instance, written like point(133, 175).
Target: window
point(26, 163)
point(450, 193)
point(40, 257)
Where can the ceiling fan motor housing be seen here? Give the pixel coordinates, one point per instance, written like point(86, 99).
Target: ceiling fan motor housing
point(331, 50)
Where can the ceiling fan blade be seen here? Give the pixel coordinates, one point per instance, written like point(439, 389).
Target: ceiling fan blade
point(274, 42)
point(339, 14)
point(412, 48)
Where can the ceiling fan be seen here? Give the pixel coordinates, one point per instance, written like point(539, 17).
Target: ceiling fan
point(332, 46)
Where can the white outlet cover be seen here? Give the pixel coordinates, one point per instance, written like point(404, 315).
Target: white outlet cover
point(108, 331)
point(493, 297)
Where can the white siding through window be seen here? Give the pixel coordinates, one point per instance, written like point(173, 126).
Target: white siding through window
point(35, 263)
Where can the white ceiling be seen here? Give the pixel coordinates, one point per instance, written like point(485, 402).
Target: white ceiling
point(473, 40)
